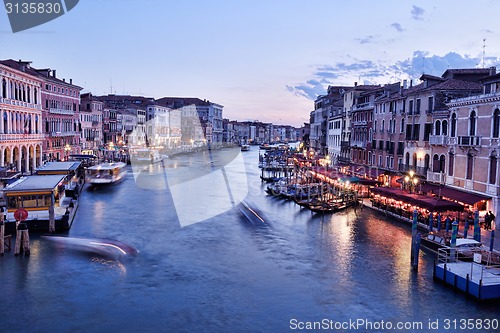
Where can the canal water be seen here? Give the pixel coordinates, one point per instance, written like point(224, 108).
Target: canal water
point(228, 273)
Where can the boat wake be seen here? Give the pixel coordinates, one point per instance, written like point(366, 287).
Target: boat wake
point(107, 248)
point(252, 214)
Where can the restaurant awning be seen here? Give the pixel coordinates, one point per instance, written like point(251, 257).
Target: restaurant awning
point(433, 204)
point(465, 197)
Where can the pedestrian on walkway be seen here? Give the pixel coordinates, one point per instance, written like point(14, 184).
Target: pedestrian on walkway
point(487, 220)
point(492, 219)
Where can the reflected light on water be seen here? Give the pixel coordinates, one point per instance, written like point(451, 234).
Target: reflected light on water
point(341, 240)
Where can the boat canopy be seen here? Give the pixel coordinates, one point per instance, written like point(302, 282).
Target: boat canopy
point(58, 167)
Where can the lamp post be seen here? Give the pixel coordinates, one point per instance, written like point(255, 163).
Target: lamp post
point(67, 149)
point(411, 180)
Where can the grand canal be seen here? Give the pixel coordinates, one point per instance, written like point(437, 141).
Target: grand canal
point(226, 274)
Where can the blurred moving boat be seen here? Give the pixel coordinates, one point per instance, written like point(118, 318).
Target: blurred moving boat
point(145, 156)
point(107, 248)
point(106, 173)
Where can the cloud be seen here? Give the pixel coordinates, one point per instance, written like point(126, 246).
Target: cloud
point(397, 26)
point(366, 40)
point(371, 72)
point(417, 13)
point(310, 90)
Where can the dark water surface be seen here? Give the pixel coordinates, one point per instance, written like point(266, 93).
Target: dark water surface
point(226, 274)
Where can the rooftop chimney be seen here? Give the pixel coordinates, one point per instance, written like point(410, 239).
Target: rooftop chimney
point(355, 84)
point(70, 81)
point(493, 70)
point(64, 80)
point(54, 73)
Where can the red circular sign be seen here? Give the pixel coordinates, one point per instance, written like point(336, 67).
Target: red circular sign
point(21, 214)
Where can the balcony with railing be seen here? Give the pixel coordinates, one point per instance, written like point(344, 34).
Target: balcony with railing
point(342, 159)
point(20, 103)
point(438, 140)
point(61, 111)
point(436, 177)
point(421, 171)
point(469, 141)
point(363, 106)
point(24, 137)
point(62, 134)
point(358, 144)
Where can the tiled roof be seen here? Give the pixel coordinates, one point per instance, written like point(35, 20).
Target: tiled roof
point(466, 71)
point(178, 102)
point(25, 66)
point(454, 84)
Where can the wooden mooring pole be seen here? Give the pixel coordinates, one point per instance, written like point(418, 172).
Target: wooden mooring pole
point(22, 239)
point(2, 235)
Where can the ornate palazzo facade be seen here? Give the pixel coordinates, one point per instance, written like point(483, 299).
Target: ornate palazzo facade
point(21, 136)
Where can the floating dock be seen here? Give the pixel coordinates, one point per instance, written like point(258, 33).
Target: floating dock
point(472, 278)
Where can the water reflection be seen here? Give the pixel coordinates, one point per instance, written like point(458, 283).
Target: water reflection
point(225, 274)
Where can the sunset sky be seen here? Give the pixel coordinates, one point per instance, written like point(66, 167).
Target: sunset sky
point(262, 60)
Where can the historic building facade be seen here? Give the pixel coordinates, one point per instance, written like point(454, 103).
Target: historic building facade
point(21, 132)
point(91, 110)
point(473, 142)
point(60, 116)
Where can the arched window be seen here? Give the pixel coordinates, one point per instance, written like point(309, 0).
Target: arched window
point(435, 163)
point(5, 120)
point(4, 88)
point(402, 128)
point(415, 160)
point(492, 179)
point(444, 127)
point(427, 162)
point(383, 126)
point(453, 125)
point(437, 128)
point(472, 123)
point(442, 161)
point(470, 164)
point(496, 123)
point(407, 159)
point(29, 95)
point(451, 156)
point(35, 96)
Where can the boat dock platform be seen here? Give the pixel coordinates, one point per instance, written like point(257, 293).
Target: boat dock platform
point(472, 278)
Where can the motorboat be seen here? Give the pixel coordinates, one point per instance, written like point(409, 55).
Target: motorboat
point(106, 173)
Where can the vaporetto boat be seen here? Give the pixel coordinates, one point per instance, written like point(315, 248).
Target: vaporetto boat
point(106, 173)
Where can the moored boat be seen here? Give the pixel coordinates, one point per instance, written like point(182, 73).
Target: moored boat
point(49, 201)
point(106, 173)
point(332, 207)
point(145, 156)
point(245, 147)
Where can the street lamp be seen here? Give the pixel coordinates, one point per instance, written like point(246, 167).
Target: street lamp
point(411, 180)
point(67, 149)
